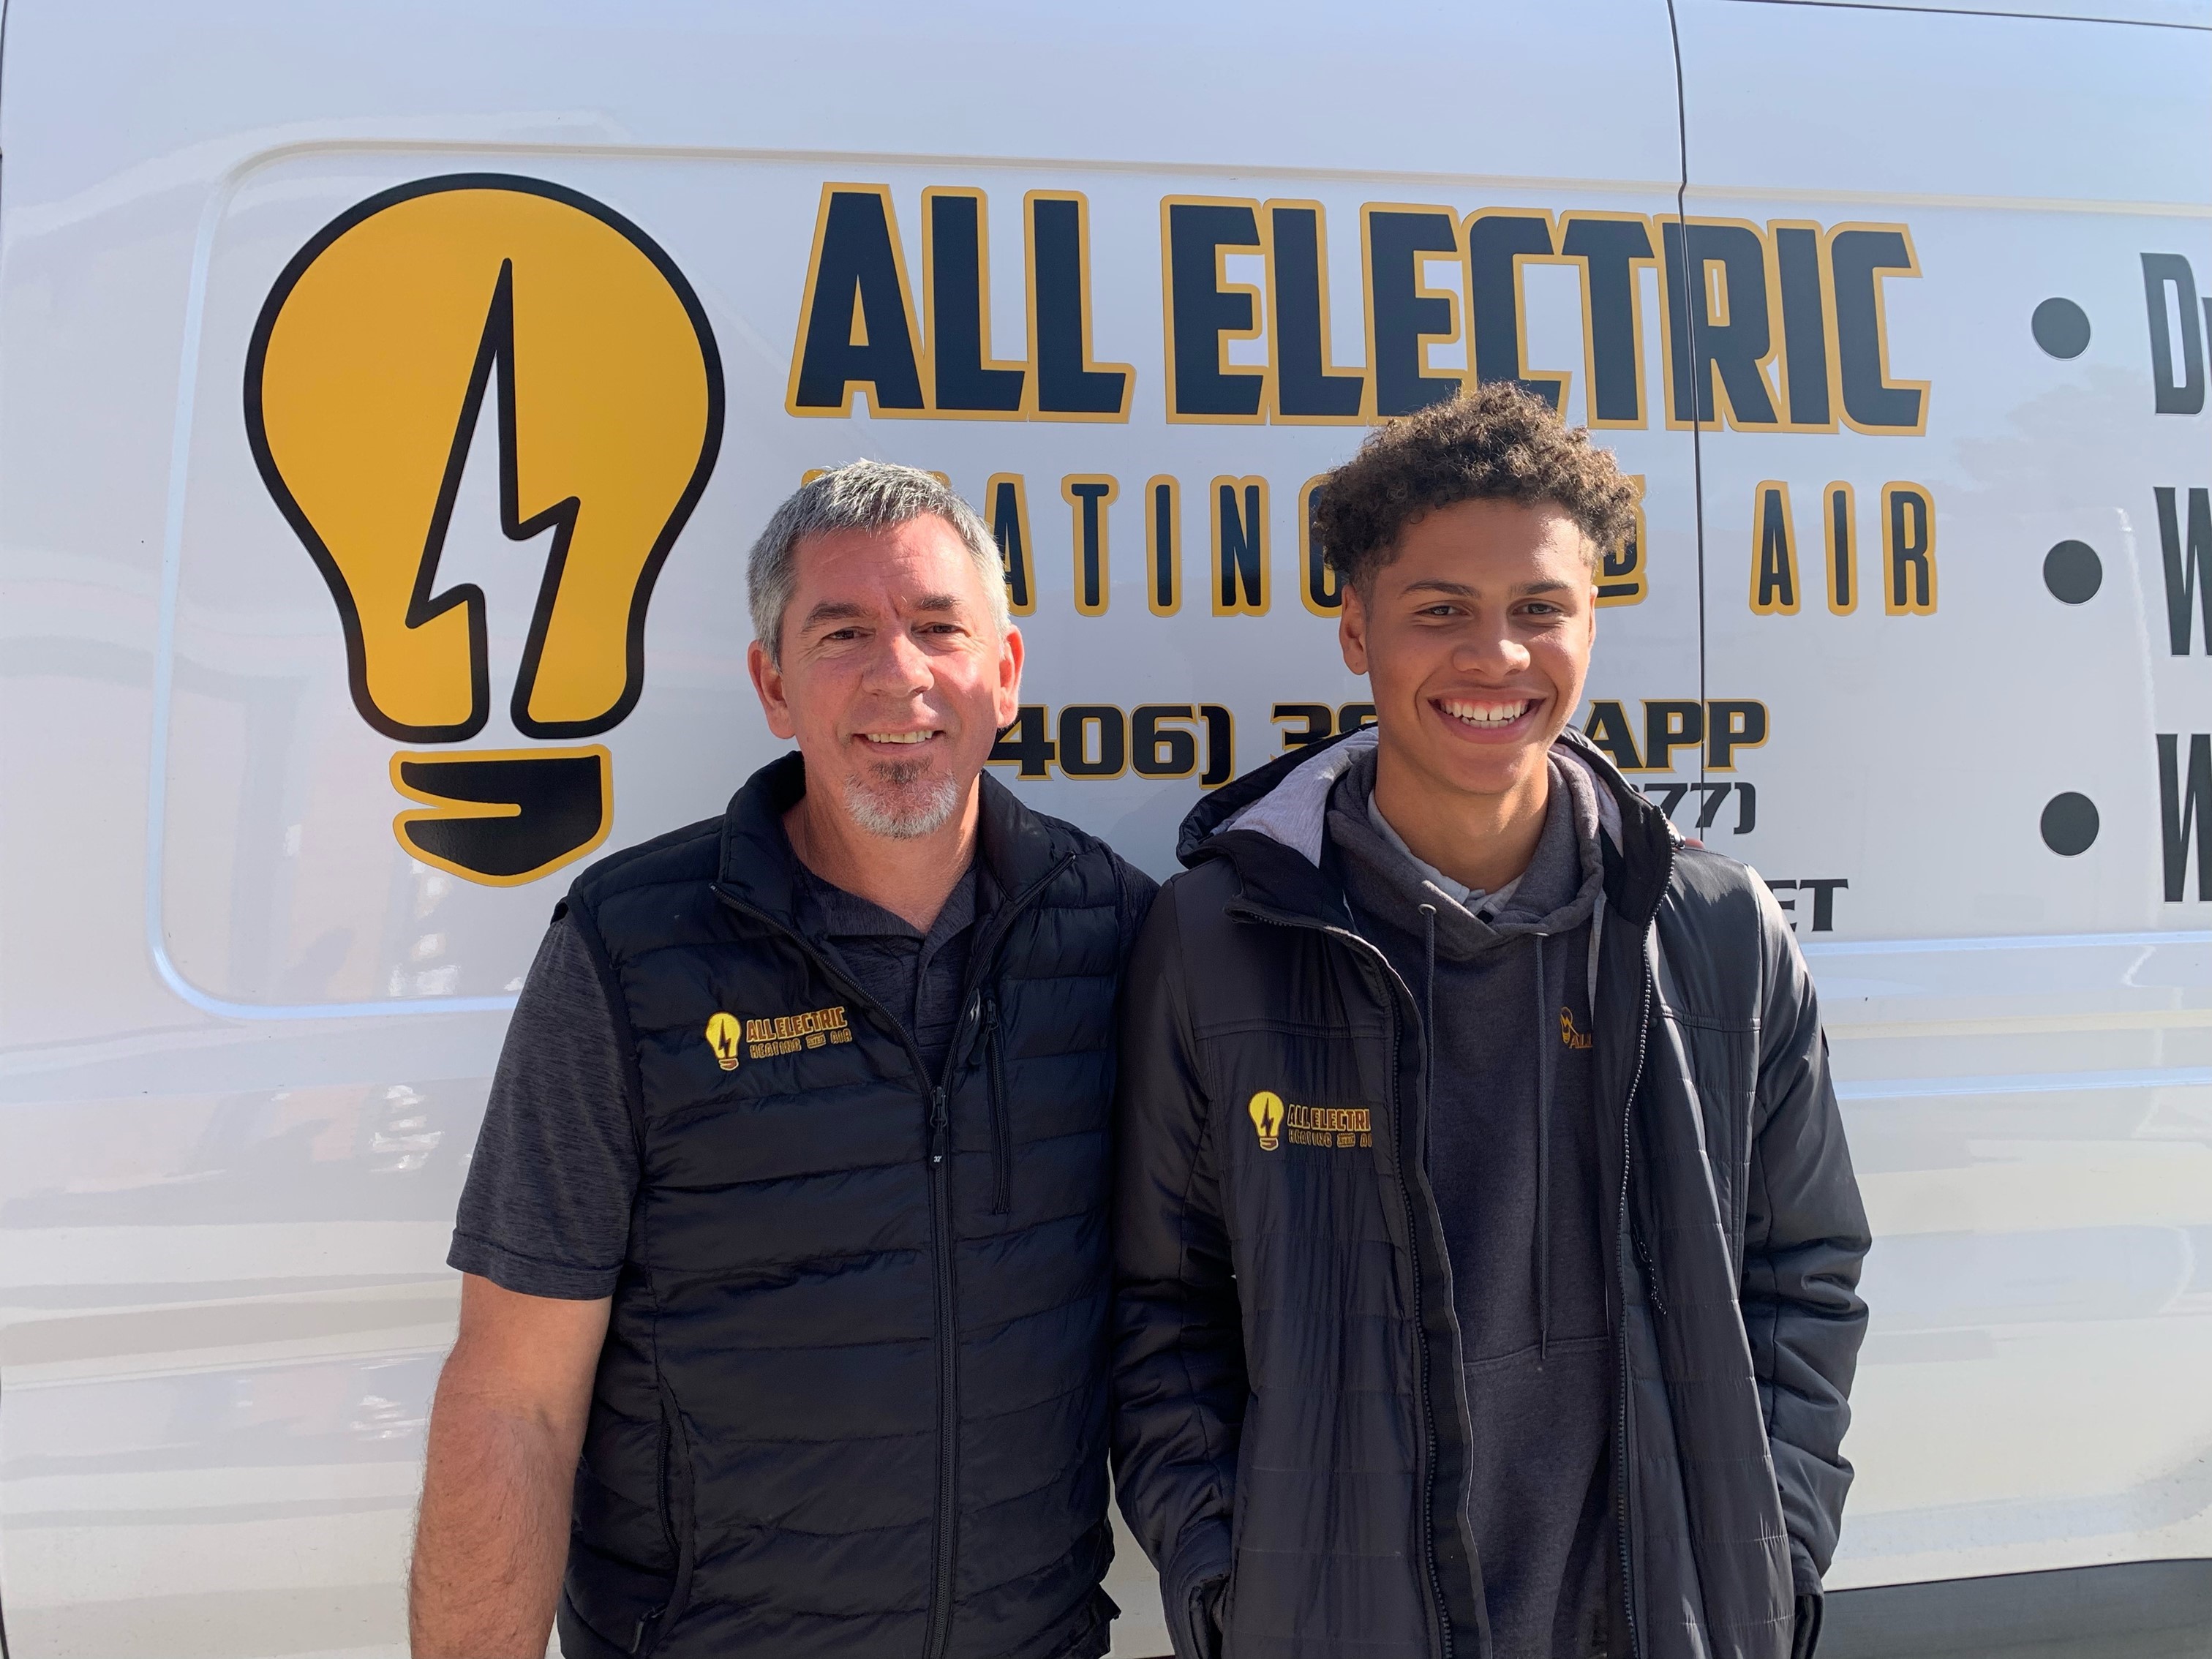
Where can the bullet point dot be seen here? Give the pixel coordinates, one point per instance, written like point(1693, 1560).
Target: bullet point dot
point(2069, 824)
point(2062, 328)
point(2073, 572)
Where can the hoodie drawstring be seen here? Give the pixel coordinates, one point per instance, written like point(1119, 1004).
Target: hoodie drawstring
point(1596, 931)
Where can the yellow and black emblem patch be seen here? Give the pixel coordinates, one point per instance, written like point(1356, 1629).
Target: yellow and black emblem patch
point(1570, 1034)
point(723, 1034)
point(787, 1033)
point(1277, 1121)
point(1267, 1110)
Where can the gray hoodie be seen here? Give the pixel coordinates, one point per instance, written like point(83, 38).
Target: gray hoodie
point(1504, 982)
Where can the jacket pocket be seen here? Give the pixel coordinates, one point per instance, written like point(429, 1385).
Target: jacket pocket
point(676, 1520)
point(1002, 1130)
point(1204, 1637)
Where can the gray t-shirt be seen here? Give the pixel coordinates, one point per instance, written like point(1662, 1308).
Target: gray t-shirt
point(918, 977)
point(546, 1210)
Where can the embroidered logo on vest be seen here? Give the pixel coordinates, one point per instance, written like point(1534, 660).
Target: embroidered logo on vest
point(1570, 1033)
point(788, 1033)
point(723, 1034)
point(1267, 1110)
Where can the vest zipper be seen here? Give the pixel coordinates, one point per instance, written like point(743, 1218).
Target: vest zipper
point(948, 1369)
point(1002, 1133)
point(940, 1219)
point(948, 1347)
point(940, 1202)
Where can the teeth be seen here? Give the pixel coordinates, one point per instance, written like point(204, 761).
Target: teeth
point(898, 736)
point(1487, 713)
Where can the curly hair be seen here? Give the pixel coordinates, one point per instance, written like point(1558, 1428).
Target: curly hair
point(1494, 442)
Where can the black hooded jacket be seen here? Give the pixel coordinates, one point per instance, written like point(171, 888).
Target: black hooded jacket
point(1292, 1430)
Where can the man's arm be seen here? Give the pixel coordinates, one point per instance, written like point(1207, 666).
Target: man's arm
point(539, 1241)
point(1179, 1381)
point(505, 1432)
point(1805, 1235)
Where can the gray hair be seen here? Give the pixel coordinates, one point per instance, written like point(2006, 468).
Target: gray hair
point(860, 495)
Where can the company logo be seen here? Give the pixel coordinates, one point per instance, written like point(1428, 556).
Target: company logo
point(787, 1033)
point(368, 367)
point(1570, 1033)
point(1329, 1126)
point(1267, 1110)
point(1277, 1121)
point(723, 1034)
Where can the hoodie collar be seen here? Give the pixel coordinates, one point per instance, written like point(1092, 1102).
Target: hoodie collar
point(1271, 824)
point(1555, 893)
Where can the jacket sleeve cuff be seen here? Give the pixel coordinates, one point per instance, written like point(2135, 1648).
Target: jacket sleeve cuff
point(1805, 1633)
point(1804, 1577)
point(1199, 1562)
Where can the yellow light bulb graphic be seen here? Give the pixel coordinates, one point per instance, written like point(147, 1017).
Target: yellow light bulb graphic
point(723, 1032)
point(366, 371)
point(1267, 1111)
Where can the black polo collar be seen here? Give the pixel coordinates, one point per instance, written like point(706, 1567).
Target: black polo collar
point(757, 866)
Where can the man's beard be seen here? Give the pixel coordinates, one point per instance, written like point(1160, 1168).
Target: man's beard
point(899, 800)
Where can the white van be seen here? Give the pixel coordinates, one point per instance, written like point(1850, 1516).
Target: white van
point(387, 397)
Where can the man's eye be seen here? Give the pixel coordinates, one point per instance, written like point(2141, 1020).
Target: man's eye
point(837, 635)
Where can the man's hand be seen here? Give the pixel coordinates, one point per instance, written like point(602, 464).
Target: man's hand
point(505, 1428)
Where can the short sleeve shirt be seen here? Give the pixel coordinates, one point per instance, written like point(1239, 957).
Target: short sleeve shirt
point(545, 1209)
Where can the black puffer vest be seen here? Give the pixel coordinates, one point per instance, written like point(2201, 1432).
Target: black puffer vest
point(852, 1399)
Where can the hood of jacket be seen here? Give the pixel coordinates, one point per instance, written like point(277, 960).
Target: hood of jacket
point(1272, 826)
point(1558, 891)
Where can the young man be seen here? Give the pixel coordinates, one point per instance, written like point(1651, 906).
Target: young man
point(1485, 1233)
point(787, 1282)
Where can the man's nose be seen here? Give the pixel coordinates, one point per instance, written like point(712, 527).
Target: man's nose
point(899, 666)
point(1492, 651)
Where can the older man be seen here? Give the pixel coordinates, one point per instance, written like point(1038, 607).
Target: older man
point(786, 1264)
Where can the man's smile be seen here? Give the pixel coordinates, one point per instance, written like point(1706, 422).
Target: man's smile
point(1487, 718)
point(901, 739)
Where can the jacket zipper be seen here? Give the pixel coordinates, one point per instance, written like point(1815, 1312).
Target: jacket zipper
point(940, 1204)
point(1621, 1278)
point(1422, 1402)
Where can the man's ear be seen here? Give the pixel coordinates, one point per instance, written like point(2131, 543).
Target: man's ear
point(768, 684)
point(1006, 695)
point(1351, 630)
